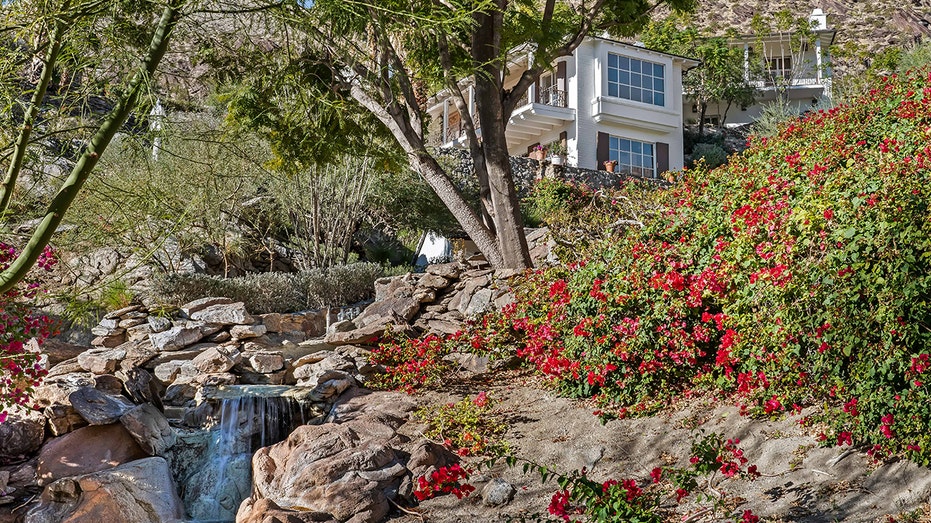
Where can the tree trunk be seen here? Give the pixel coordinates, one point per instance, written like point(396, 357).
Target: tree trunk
point(98, 144)
point(702, 108)
point(428, 167)
point(509, 227)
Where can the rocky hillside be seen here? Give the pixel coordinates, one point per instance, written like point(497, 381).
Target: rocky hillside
point(863, 28)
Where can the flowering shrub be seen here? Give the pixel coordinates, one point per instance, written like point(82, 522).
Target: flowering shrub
point(799, 273)
point(467, 427)
point(444, 480)
point(19, 368)
point(411, 363)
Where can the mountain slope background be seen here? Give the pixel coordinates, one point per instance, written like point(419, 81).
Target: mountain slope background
point(865, 29)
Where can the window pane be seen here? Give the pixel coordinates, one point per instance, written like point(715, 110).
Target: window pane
point(612, 75)
point(635, 147)
point(658, 70)
point(625, 92)
point(624, 77)
point(612, 60)
point(648, 150)
point(624, 145)
point(613, 142)
point(624, 63)
point(613, 90)
point(658, 84)
point(635, 80)
point(624, 158)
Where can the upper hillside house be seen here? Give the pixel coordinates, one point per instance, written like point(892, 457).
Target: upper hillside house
point(608, 101)
point(781, 65)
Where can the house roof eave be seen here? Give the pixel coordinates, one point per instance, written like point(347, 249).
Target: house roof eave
point(687, 62)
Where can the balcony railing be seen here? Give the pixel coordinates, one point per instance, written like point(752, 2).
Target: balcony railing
point(548, 96)
point(552, 96)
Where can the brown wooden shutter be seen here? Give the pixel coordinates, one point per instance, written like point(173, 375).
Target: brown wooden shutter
point(602, 151)
point(662, 158)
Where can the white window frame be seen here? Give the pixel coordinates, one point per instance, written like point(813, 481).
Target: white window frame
point(631, 156)
point(627, 77)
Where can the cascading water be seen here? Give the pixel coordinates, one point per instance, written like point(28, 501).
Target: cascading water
point(246, 417)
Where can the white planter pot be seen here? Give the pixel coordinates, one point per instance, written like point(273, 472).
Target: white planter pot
point(557, 160)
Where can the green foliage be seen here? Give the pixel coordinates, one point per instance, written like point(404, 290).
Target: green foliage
point(918, 56)
point(467, 427)
point(275, 291)
point(116, 295)
point(712, 155)
point(191, 195)
point(720, 77)
point(579, 217)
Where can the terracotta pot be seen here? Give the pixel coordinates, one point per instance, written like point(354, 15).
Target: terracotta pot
point(609, 166)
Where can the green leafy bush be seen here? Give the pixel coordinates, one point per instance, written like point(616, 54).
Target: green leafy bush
point(275, 291)
point(713, 155)
point(579, 216)
point(797, 274)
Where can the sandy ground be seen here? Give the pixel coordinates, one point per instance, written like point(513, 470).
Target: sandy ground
point(801, 481)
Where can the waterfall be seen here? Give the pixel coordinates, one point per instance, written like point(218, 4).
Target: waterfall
point(245, 418)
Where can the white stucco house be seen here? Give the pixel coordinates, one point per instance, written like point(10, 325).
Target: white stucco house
point(609, 100)
point(798, 71)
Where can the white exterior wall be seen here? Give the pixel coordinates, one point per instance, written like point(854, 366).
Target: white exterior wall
point(625, 118)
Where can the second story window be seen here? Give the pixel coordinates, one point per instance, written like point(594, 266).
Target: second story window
point(636, 80)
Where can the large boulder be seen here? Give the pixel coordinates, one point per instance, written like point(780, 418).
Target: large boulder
point(346, 470)
point(139, 491)
point(309, 369)
point(217, 359)
point(198, 305)
point(59, 350)
point(101, 361)
point(149, 427)
point(86, 450)
point(98, 407)
point(224, 314)
point(176, 338)
point(53, 395)
point(266, 511)
point(20, 435)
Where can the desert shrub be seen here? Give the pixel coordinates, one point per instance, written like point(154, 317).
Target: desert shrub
point(713, 155)
point(468, 427)
point(797, 274)
point(579, 216)
point(275, 291)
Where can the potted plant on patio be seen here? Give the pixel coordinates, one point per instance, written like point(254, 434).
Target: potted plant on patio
point(558, 152)
point(610, 165)
point(538, 153)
